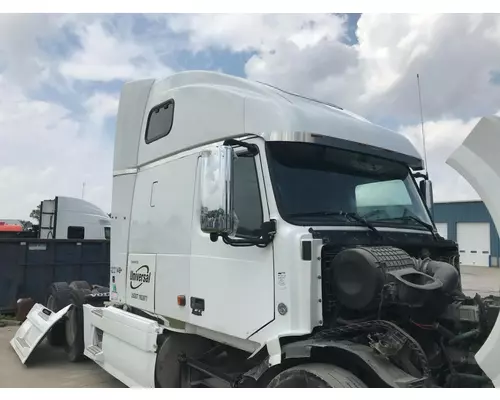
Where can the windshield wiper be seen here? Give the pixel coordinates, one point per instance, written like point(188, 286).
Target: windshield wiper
point(360, 219)
point(429, 227)
point(348, 215)
point(316, 213)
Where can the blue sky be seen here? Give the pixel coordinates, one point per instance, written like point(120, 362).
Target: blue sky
point(60, 77)
point(226, 61)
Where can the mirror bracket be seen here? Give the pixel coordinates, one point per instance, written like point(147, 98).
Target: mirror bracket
point(417, 175)
point(253, 149)
point(268, 231)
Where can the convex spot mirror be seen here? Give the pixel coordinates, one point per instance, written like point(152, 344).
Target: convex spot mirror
point(216, 191)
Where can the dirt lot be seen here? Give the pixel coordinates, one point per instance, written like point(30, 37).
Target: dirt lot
point(49, 368)
point(485, 281)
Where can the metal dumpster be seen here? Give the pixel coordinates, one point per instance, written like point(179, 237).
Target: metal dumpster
point(28, 266)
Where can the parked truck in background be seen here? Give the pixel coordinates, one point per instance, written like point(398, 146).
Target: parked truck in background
point(265, 239)
point(71, 242)
point(64, 218)
point(73, 218)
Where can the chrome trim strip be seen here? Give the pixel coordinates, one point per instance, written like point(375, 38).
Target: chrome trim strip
point(307, 137)
point(127, 171)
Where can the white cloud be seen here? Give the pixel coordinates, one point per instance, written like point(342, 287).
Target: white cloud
point(44, 154)
point(261, 32)
point(102, 57)
point(24, 39)
point(47, 149)
point(105, 57)
point(454, 54)
point(442, 138)
point(301, 52)
point(100, 107)
point(19, 35)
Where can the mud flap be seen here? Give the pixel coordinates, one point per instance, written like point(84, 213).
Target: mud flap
point(31, 333)
point(478, 162)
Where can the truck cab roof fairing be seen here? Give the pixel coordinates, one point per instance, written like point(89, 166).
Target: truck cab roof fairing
point(210, 107)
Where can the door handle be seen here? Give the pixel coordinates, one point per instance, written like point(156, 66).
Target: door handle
point(151, 199)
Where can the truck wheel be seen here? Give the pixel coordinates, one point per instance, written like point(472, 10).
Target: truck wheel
point(74, 326)
point(57, 299)
point(79, 285)
point(167, 368)
point(316, 376)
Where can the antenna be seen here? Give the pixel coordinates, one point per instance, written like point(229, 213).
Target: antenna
point(83, 190)
point(422, 124)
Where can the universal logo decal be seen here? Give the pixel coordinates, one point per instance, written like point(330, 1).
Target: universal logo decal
point(140, 276)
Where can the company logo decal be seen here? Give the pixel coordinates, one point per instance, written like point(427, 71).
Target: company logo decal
point(139, 277)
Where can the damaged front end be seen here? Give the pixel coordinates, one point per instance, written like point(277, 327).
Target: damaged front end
point(409, 310)
point(402, 298)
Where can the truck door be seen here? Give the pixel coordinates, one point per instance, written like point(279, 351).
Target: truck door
point(232, 288)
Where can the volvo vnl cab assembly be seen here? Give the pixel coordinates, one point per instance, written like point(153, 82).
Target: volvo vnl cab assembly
point(263, 238)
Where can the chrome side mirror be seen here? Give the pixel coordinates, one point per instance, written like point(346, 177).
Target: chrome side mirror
point(216, 191)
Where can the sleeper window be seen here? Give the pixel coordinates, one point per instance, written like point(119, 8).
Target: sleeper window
point(76, 232)
point(160, 121)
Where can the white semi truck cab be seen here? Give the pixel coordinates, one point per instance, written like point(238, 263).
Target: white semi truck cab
point(262, 238)
point(72, 218)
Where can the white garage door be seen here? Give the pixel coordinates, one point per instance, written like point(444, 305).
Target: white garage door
point(474, 243)
point(442, 229)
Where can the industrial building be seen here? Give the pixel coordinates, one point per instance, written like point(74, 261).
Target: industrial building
point(470, 224)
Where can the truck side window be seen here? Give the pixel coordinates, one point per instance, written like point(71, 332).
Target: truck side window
point(160, 121)
point(247, 200)
point(107, 232)
point(76, 232)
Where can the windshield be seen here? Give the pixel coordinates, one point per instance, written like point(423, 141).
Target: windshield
point(313, 183)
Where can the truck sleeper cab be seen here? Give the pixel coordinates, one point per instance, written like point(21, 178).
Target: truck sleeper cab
point(263, 238)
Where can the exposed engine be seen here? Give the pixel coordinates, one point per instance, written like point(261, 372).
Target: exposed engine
point(410, 310)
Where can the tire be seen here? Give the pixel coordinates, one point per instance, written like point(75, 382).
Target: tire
point(57, 299)
point(316, 376)
point(168, 368)
point(74, 345)
point(79, 285)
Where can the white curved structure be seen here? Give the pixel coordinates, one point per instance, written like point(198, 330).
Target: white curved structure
point(73, 218)
point(478, 161)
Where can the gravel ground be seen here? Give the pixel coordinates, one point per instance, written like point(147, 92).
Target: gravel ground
point(485, 281)
point(48, 368)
